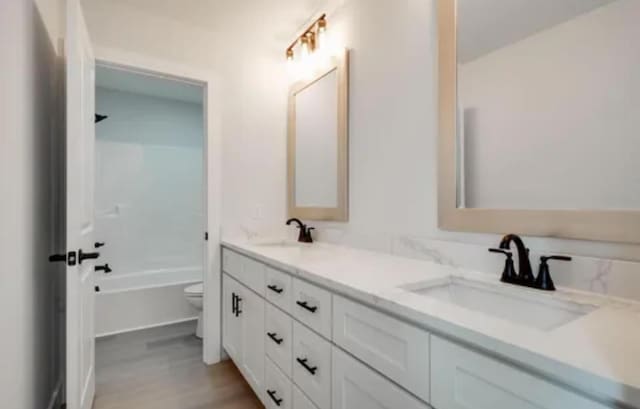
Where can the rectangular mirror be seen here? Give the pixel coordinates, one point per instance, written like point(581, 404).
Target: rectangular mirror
point(318, 144)
point(538, 120)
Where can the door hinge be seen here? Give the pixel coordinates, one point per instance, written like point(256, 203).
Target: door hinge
point(206, 236)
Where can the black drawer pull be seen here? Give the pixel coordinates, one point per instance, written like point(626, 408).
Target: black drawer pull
point(272, 395)
point(275, 338)
point(303, 362)
point(306, 306)
point(275, 289)
point(233, 303)
point(238, 310)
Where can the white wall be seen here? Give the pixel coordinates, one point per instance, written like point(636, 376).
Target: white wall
point(550, 120)
point(393, 127)
point(28, 73)
point(149, 182)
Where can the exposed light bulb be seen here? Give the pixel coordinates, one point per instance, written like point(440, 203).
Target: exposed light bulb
point(290, 54)
point(322, 33)
point(304, 45)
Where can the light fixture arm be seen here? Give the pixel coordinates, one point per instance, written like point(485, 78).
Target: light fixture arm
point(309, 36)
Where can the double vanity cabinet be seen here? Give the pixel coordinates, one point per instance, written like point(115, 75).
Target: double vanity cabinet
point(303, 346)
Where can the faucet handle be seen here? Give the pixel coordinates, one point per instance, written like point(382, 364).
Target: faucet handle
point(544, 259)
point(509, 274)
point(544, 280)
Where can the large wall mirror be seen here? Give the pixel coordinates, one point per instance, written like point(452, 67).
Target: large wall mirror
point(318, 144)
point(540, 117)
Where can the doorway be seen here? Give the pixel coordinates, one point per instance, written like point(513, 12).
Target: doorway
point(153, 212)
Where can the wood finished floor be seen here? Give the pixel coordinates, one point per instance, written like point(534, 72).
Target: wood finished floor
point(162, 368)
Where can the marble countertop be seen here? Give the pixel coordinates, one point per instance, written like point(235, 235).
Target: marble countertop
point(598, 353)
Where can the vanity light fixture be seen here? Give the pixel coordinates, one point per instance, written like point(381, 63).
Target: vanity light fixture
point(311, 39)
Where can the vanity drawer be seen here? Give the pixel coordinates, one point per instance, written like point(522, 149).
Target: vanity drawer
point(398, 350)
point(355, 386)
point(312, 365)
point(248, 271)
point(464, 379)
point(279, 338)
point(312, 306)
point(300, 400)
point(278, 388)
point(278, 288)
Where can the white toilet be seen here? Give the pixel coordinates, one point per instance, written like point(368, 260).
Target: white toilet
point(194, 296)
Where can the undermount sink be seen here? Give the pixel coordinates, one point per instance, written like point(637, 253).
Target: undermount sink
point(276, 243)
point(506, 302)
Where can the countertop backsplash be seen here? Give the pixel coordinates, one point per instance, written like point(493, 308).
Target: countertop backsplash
point(616, 278)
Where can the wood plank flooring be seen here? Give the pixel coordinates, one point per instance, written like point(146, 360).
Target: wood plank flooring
point(162, 368)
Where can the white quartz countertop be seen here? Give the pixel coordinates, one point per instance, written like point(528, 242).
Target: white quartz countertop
point(598, 353)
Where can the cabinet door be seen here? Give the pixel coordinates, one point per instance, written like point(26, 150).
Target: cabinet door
point(279, 338)
point(397, 350)
point(464, 379)
point(312, 365)
point(278, 387)
point(251, 310)
point(231, 325)
point(355, 386)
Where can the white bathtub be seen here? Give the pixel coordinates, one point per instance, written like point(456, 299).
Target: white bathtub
point(130, 302)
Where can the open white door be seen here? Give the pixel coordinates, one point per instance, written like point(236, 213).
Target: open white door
point(80, 111)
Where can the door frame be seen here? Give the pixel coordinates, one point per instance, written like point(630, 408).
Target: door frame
point(212, 279)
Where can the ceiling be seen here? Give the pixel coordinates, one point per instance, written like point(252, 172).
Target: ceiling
point(486, 25)
point(153, 86)
point(223, 15)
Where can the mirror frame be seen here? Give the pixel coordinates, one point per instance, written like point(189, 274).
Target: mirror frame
point(340, 64)
point(601, 225)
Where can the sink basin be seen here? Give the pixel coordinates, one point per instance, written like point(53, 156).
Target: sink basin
point(510, 303)
point(276, 243)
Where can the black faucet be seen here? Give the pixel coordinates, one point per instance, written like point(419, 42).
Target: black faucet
point(305, 232)
point(525, 274)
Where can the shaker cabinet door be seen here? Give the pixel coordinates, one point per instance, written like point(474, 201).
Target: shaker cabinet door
point(355, 386)
point(464, 379)
point(231, 324)
point(251, 310)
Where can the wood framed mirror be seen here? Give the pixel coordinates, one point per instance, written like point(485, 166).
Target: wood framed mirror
point(537, 118)
point(317, 144)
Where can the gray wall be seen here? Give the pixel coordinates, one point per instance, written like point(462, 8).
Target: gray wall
point(28, 283)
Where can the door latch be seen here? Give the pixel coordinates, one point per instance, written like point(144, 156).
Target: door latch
point(87, 256)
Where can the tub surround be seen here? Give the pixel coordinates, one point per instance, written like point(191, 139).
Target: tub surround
point(595, 353)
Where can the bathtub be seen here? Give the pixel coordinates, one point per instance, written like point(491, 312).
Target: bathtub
point(147, 299)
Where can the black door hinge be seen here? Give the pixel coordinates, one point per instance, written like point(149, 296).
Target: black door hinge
point(206, 236)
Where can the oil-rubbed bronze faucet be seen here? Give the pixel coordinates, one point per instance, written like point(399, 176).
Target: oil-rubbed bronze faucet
point(305, 232)
point(525, 276)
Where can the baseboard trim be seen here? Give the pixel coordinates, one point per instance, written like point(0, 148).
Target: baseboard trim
point(55, 395)
point(161, 324)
